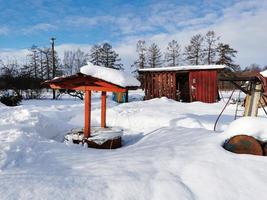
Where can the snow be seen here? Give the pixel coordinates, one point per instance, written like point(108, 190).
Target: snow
point(252, 126)
point(114, 76)
point(169, 152)
point(264, 73)
point(185, 68)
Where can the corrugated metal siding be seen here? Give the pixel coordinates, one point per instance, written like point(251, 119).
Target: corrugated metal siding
point(203, 85)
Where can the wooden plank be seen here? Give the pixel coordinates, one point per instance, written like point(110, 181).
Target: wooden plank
point(162, 84)
point(169, 84)
point(148, 86)
point(83, 88)
point(87, 114)
point(145, 85)
point(103, 109)
point(174, 85)
point(152, 85)
point(156, 85)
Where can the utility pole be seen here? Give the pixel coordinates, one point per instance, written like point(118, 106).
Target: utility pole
point(53, 63)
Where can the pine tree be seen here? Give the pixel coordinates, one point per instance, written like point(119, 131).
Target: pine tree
point(95, 55)
point(154, 56)
point(109, 58)
point(210, 50)
point(194, 51)
point(173, 53)
point(226, 55)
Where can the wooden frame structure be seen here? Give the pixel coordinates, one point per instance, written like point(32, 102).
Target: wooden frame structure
point(255, 89)
point(87, 84)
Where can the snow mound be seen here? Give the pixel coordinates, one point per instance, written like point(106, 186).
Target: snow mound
point(110, 75)
point(252, 126)
point(264, 73)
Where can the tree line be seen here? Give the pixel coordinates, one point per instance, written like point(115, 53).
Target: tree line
point(26, 78)
point(202, 49)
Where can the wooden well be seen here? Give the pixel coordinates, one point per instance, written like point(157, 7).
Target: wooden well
point(87, 84)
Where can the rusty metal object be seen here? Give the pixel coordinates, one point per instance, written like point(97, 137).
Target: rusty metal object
point(243, 144)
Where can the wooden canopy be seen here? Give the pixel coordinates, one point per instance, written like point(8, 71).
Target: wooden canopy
point(87, 84)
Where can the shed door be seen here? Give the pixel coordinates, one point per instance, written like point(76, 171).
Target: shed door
point(203, 86)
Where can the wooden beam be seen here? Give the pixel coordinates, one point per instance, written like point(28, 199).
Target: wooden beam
point(84, 88)
point(87, 114)
point(240, 87)
point(103, 109)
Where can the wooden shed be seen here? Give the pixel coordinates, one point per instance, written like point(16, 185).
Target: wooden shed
point(182, 83)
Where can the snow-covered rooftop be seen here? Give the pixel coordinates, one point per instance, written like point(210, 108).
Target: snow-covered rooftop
point(114, 76)
point(185, 68)
point(264, 73)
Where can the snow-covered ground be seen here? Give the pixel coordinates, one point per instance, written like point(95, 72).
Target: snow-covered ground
point(170, 152)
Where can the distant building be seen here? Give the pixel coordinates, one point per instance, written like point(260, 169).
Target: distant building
point(182, 83)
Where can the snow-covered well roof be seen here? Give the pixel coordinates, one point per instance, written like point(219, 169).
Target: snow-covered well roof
point(264, 73)
point(185, 68)
point(114, 76)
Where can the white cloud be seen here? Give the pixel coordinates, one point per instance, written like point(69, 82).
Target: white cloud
point(19, 55)
point(39, 28)
point(242, 25)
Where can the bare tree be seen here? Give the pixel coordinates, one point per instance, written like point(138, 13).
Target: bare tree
point(194, 51)
point(173, 53)
point(210, 49)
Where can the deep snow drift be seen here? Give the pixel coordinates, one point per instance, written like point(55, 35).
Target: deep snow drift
point(170, 152)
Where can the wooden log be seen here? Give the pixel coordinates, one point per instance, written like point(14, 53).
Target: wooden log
point(243, 144)
point(103, 109)
point(87, 114)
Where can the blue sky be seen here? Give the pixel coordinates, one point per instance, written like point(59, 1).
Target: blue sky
point(81, 23)
point(84, 21)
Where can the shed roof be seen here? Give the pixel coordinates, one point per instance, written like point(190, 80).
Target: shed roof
point(184, 68)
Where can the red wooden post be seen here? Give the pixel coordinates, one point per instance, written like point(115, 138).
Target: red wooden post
point(103, 108)
point(87, 114)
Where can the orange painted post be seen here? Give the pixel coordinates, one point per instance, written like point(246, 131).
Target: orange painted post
point(103, 108)
point(87, 114)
